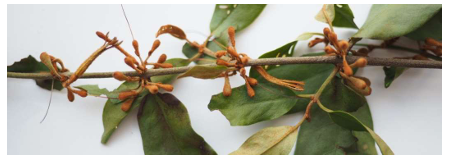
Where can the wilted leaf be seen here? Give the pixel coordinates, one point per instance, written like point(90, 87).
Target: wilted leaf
point(431, 29)
point(269, 141)
point(386, 21)
point(204, 72)
point(176, 62)
point(308, 35)
point(340, 15)
point(391, 73)
point(270, 102)
point(31, 65)
point(173, 30)
point(165, 127)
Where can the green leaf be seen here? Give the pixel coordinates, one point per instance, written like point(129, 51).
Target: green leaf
point(431, 29)
point(165, 127)
point(270, 102)
point(386, 21)
point(269, 141)
point(321, 135)
point(94, 90)
point(340, 15)
point(308, 35)
point(239, 16)
point(190, 51)
point(204, 72)
point(391, 73)
point(344, 119)
point(286, 50)
point(176, 62)
point(31, 65)
point(112, 112)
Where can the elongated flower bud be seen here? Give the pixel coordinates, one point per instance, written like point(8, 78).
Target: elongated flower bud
point(326, 31)
point(125, 94)
point(221, 53)
point(329, 50)
point(347, 69)
point(252, 81)
point(136, 47)
point(162, 58)
point(70, 95)
point(227, 90)
point(333, 38)
point(232, 51)
point(102, 36)
point(156, 44)
point(81, 93)
point(120, 76)
point(250, 90)
point(344, 45)
point(231, 32)
point(222, 62)
point(127, 105)
point(163, 65)
point(166, 87)
point(361, 62)
point(152, 88)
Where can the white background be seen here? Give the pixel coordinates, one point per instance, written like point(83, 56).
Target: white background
point(407, 115)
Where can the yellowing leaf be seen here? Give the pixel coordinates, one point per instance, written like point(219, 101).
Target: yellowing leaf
point(269, 141)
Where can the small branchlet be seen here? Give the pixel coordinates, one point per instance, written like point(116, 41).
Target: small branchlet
point(340, 48)
point(238, 61)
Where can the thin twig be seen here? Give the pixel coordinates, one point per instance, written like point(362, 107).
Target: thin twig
point(373, 61)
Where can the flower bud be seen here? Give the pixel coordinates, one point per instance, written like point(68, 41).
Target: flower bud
point(125, 94)
point(156, 44)
point(127, 105)
point(152, 88)
point(70, 95)
point(250, 90)
point(344, 45)
point(227, 90)
point(329, 50)
point(101, 35)
point(120, 76)
point(130, 62)
point(361, 62)
point(166, 87)
point(222, 62)
point(81, 93)
point(232, 51)
point(252, 81)
point(162, 58)
point(333, 38)
point(347, 69)
point(136, 47)
point(221, 53)
point(231, 32)
point(163, 65)
point(244, 59)
point(326, 31)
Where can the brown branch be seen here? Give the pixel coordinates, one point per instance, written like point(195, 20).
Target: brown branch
point(257, 62)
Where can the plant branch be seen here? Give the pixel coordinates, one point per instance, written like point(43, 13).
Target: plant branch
point(256, 62)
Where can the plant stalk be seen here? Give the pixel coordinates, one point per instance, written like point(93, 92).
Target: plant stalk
point(373, 61)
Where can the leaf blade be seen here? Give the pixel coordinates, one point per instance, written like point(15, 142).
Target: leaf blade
point(165, 128)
